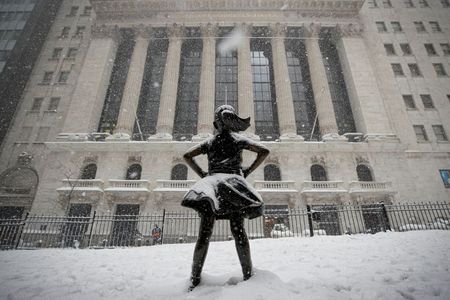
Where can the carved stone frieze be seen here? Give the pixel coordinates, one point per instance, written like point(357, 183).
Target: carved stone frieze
point(278, 30)
point(361, 160)
point(105, 31)
point(175, 31)
point(312, 30)
point(318, 160)
point(349, 30)
point(209, 30)
point(307, 8)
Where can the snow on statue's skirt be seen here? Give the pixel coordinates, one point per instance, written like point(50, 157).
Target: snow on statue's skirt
point(224, 195)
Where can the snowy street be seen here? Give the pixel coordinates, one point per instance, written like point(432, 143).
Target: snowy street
point(410, 265)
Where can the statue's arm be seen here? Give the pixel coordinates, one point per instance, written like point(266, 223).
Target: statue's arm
point(262, 153)
point(189, 158)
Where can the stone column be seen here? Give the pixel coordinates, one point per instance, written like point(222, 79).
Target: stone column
point(368, 108)
point(89, 94)
point(285, 105)
point(130, 98)
point(319, 81)
point(205, 127)
point(168, 102)
point(246, 106)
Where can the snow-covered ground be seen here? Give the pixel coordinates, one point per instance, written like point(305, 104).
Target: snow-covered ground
point(409, 265)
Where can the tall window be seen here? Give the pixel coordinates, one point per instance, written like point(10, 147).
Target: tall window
point(364, 173)
point(148, 108)
point(387, 4)
point(185, 125)
point(336, 83)
point(423, 3)
point(409, 3)
point(302, 93)
point(421, 134)
point(440, 70)
point(266, 118)
point(117, 81)
point(435, 27)
point(409, 101)
point(56, 53)
point(390, 50)
point(226, 78)
point(134, 172)
point(406, 49)
point(179, 172)
point(446, 49)
point(272, 173)
point(420, 27)
point(427, 101)
point(397, 69)
point(89, 172)
point(430, 49)
point(414, 69)
point(37, 103)
point(439, 133)
point(396, 27)
point(381, 26)
point(318, 173)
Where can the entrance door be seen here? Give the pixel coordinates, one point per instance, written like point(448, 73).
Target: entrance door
point(326, 217)
point(77, 225)
point(125, 225)
point(374, 218)
point(10, 225)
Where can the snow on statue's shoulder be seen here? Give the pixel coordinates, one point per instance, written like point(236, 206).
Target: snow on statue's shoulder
point(240, 138)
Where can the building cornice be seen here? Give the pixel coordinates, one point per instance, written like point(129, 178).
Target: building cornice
point(305, 8)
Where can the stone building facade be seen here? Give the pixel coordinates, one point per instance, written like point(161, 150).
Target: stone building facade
point(348, 95)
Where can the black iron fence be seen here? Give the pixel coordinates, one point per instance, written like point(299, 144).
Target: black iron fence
point(105, 231)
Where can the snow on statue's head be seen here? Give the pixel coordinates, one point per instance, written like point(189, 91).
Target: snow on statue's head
point(226, 119)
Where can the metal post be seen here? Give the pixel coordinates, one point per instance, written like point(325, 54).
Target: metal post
point(162, 226)
point(387, 225)
point(92, 227)
point(21, 231)
point(310, 220)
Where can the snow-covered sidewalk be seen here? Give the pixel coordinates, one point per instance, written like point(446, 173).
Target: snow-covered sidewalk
point(410, 265)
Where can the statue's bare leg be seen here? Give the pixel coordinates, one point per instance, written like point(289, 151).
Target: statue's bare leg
point(201, 248)
point(242, 245)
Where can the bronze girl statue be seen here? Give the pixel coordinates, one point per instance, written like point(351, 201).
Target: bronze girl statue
point(223, 193)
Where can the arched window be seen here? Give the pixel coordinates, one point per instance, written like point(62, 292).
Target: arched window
point(272, 173)
point(364, 173)
point(134, 172)
point(89, 171)
point(318, 173)
point(179, 172)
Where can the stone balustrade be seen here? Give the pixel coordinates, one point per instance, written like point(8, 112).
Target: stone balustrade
point(277, 186)
point(82, 184)
point(365, 187)
point(115, 184)
point(162, 185)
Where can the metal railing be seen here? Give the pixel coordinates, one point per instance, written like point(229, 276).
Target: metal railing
point(102, 231)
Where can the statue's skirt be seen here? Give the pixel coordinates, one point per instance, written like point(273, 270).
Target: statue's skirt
point(224, 195)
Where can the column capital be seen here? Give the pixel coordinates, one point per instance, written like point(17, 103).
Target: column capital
point(278, 30)
point(246, 28)
point(105, 31)
point(312, 30)
point(209, 30)
point(143, 31)
point(349, 30)
point(175, 31)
